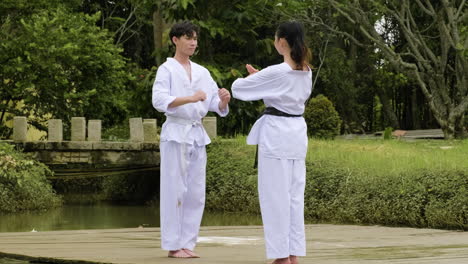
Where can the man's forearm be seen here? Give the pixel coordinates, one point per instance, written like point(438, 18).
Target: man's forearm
point(181, 101)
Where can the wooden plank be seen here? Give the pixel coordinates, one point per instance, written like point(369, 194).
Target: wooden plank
point(416, 134)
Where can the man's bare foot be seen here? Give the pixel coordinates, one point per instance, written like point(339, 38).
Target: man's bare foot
point(191, 253)
point(178, 254)
point(281, 261)
point(293, 259)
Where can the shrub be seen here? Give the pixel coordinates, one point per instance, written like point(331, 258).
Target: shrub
point(322, 119)
point(231, 180)
point(23, 183)
point(388, 133)
point(420, 198)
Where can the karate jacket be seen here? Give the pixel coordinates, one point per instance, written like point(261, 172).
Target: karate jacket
point(285, 89)
point(183, 123)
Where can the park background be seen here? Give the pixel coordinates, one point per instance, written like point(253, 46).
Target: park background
point(376, 65)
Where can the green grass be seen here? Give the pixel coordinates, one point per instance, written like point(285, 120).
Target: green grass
point(384, 157)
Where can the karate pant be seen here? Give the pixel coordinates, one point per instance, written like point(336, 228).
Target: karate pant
point(182, 197)
point(281, 185)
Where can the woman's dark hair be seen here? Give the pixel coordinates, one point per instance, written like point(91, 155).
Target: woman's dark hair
point(183, 28)
point(293, 32)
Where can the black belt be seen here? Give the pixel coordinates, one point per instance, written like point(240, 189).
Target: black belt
point(272, 111)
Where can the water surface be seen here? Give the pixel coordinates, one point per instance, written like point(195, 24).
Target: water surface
point(105, 216)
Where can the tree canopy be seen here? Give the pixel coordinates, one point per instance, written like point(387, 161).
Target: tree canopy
point(381, 63)
point(59, 64)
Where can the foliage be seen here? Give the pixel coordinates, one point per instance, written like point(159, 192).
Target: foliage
point(231, 186)
point(22, 8)
point(23, 182)
point(128, 186)
point(387, 182)
point(59, 64)
point(119, 132)
point(137, 94)
point(322, 119)
point(419, 198)
point(337, 82)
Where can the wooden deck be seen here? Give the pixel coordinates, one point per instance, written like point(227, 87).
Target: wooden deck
point(416, 134)
point(326, 244)
point(423, 134)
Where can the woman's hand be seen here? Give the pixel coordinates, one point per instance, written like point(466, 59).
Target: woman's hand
point(251, 69)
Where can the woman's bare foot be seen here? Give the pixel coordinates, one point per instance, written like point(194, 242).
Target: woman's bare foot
point(293, 259)
point(281, 261)
point(178, 254)
point(191, 253)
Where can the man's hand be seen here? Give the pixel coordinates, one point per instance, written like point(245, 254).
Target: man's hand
point(199, 96)
point(225, 97)
point(251, 69)
point(196, 97)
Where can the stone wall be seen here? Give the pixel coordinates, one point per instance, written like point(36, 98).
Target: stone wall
point(87, 147)
point(141, 130)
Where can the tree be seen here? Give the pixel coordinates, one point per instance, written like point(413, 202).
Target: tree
point(59, 64)
point(435, 55)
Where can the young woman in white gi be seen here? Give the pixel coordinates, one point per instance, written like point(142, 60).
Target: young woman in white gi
point(281, 136)
point(185, 91)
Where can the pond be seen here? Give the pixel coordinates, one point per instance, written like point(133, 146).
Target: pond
point(105, 216)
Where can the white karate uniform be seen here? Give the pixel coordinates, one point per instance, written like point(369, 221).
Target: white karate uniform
point(282, 150)
point(183, 154)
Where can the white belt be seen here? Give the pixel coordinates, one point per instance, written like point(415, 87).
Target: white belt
point(182, 121)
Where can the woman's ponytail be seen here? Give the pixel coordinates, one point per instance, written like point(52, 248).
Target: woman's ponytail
point(293, 32)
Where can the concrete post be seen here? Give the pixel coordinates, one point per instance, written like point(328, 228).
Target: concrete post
point(78, 129)
point(209, 123)
point(136, 129)
point(55, 130)
point(150, 130)
point(20, 128)
point(94, 130)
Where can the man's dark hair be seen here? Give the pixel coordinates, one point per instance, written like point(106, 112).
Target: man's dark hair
point(183, 28)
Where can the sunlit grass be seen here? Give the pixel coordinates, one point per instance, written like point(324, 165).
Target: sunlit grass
point(381, 157)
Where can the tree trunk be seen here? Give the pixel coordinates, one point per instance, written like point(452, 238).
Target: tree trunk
point(4, 110)
point(460, 129)
point(387, 108)
point(415, 116)
point(2, 116)
point(158, 29)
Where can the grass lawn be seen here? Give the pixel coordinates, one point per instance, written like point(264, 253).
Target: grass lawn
point(382, 157)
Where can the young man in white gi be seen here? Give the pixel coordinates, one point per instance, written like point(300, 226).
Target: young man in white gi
point(185, 91)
